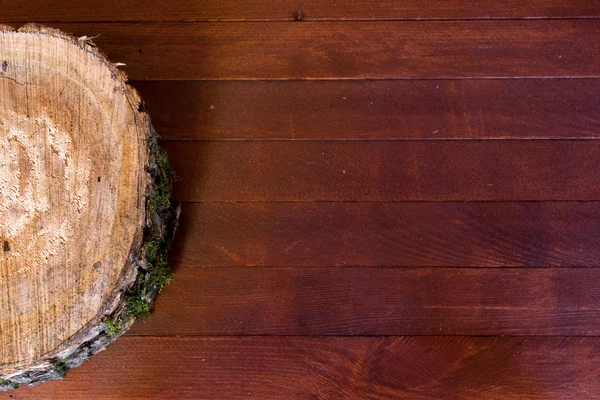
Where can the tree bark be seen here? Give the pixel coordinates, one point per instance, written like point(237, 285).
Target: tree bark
point(86, 218)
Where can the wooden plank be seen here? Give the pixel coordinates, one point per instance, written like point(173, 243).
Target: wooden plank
point(367, 368)
point(350, 50)
point(494, 234)
point(378, 301)
point(192, 10)
point(445, 170)
point(402, 109)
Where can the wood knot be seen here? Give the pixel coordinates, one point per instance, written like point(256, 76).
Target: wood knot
point(298, 15)
point(6, 247)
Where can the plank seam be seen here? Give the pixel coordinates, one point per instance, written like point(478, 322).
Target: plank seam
point(184, 336)
point(307, 20)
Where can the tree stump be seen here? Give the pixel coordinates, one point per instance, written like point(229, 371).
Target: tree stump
point(85, 213)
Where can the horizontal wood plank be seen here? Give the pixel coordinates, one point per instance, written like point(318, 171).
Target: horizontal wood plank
point(367, 368)
point(389, 234)
point(444, 170)
point(400, 109)
point(350, 50)
point(378, 301)
point(207, 10)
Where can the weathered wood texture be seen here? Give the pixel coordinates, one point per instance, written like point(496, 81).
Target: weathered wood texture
point(399, 109)
point(350, 50)
point(354, 301)
point(370, 368)
point(193, 10)
point(531, 234)
point(489, 170)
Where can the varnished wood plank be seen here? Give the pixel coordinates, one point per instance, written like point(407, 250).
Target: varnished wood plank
point(532, 108)
point(378, 301)
point(350, 50)
point(192, 10)
point(386, 170)
point(536, 234)
point(334, 368)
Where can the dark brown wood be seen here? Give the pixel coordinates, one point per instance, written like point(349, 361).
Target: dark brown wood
point(443, 170)
point(350, 50)
point(291, 10)
point(370, 368)
point(403, 109)
point(535, 234)
point(378, 301)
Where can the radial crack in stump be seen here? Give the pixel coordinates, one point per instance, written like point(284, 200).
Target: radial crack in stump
point(86, 218)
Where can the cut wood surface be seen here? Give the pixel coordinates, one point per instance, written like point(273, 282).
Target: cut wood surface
point(293, 10)
point(55, 186)
point(492, 234)
point(369, 368)
point(76, 171)
point(386, 170)
point(378, 301)
point(400, 109)
point(350, 50)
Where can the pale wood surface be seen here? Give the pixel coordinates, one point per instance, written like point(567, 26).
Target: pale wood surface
point(73, 181)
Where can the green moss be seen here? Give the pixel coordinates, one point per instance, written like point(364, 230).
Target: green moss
point(61, 367)
point(137, 306)
point(157, 238)
point(152, 248)
point(9, 383)
point(13, 385)
point(163, 162)
point(159, 275)
point(161, 201)
point(112, 327)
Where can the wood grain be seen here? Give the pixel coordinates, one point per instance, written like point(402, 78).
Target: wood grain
point(369, 368)
point(73, 187)
point(350, 50)
point(378, 301)
point(401, 109)
point(444, 170)
point(191, 10)
point(535, 234)
point(299, 229)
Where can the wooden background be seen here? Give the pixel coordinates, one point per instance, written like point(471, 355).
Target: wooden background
point(381, 199)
